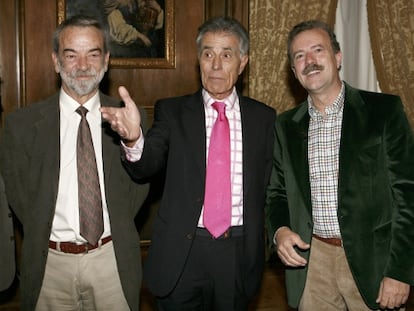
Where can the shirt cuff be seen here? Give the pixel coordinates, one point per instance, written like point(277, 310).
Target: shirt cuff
point(134, 153)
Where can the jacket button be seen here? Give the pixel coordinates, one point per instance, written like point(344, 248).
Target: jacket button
point(190, 236)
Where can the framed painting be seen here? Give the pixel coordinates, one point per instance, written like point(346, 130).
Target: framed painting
point(141, 32)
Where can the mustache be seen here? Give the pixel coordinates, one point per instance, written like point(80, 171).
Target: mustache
point(312, 67)
point(82, 73)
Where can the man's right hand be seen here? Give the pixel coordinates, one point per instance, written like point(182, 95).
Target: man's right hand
point(286, 240)
point(126, 121)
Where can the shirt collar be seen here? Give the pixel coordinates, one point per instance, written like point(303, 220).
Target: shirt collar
point(332, 109)
point(68, 105)
point(230, 101)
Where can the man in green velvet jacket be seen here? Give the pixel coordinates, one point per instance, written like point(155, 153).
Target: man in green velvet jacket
point(340, 205)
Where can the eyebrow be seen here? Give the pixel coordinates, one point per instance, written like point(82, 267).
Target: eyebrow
point(319, 45)
point(212, 48)
point(89, 51)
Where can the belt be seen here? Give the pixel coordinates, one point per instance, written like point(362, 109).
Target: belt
point(73, 248)
point(331, 241)
point(231, 232)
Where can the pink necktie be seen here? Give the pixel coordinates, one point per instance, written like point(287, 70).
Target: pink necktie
point(217, 200)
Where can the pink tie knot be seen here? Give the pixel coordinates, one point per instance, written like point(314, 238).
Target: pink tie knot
point(220, 107)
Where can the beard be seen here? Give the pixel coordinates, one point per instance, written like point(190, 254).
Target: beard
point(81, 87)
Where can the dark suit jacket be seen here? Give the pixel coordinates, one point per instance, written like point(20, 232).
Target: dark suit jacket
point(375, 194)
point(30, 165)
point(7, 260)
point(177, 141)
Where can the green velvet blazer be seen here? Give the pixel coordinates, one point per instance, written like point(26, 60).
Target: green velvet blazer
point(375, 192)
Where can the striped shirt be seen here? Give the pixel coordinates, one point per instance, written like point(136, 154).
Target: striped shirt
point(236, 150)
point(323, 151)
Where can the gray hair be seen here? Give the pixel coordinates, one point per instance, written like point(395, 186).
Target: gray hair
point(79, 21)
point(224, 24)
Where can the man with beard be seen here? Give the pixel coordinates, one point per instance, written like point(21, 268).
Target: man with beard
point(72, 258)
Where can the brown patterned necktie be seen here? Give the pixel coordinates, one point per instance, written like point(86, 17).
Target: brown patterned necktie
point(89, 193)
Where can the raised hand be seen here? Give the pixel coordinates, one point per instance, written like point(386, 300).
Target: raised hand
point(126, 121)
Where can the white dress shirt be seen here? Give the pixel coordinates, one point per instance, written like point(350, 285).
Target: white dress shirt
point(65, 226)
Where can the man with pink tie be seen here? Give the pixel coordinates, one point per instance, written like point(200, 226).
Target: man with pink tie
point(190, 265)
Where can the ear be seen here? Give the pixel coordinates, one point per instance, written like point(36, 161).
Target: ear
point(243, 62)
point(106, 60)
point(294, 71)
point(55, 62)
point(338, 57)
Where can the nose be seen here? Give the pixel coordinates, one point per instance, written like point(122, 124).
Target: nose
point(83, 63)
point(309, 59)
point(216, 63)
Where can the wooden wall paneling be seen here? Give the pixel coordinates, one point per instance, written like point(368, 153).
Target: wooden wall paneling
point(40, 20)
point(9, 55)
point(215, 8)
point(235, 8)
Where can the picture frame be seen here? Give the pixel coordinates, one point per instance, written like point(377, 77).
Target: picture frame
point(160, 53)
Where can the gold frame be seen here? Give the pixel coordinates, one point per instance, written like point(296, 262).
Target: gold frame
point(168, 61)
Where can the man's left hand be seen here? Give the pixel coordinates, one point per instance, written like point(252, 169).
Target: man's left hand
point(392, 293)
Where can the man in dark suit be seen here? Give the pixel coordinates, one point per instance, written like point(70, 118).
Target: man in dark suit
point(342, 186)
point(188, 266)
point(7, 260)
point(61, 267)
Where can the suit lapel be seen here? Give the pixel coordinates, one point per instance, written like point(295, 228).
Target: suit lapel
point(109, 140)
point(249, 136)
point(194, 119)
point(354, 127)
point(107, 152)
point(46, 143)
point(297, 144)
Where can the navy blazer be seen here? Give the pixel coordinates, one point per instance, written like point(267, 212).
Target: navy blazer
point(177, 141)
